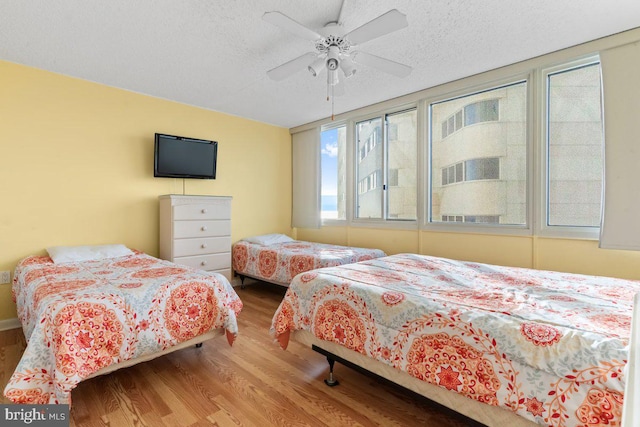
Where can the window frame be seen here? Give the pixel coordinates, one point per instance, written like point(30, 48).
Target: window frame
point(385, 221)
point(338, 221)
point(542, 228)
point(534, 72)
point(525, 229)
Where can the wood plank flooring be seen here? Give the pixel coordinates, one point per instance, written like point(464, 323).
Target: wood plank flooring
point(253, 383)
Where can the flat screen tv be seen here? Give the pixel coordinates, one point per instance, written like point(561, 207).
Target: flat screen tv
point(180, 157)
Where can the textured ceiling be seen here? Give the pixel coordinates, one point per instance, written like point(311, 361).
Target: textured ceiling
point(214, 54)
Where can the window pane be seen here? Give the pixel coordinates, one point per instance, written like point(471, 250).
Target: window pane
point(482, 111)
point(574, 147)
point(402, 158)
point(493, 151)
point(333, 165)
point(459, 173)
point(369, 200)
point(482, 169)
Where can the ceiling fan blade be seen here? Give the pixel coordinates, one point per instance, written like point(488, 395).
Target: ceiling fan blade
point(382, 64)
point(387, 23)
point(288, 24)
point(288, 68)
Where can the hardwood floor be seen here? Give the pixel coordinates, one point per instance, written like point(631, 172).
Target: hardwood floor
point(253, 383)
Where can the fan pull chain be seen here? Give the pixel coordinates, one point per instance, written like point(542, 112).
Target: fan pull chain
point(333, 98)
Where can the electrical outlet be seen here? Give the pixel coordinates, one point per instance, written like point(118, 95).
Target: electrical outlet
point(5, 277)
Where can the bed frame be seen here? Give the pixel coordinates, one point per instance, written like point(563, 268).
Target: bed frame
point(243, 276)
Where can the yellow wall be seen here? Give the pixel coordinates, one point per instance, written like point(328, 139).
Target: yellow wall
point(76, 167)
point(573, 256)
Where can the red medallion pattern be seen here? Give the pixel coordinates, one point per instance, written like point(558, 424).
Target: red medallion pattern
point(267, 263)
point(392, 298)
point(86, 337)
point(450, 362)
point(336, 321)
point(190, 310)
point(240, 258)
point(300, 264)
point(539, 334)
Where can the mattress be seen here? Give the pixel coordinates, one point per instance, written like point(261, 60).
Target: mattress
point(280, 262)
point(551, 347)
point(82, 318)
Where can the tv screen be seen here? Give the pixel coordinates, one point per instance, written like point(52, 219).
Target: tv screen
point(180, 157)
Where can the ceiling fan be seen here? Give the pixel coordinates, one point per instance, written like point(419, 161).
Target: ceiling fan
point(334, 49)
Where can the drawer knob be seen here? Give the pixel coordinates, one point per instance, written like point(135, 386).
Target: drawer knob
point(203, 263)
point(203, 228)
point(204, 245)
point(204, 211)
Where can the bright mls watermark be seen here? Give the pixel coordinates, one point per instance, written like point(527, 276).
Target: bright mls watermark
point(34, 415)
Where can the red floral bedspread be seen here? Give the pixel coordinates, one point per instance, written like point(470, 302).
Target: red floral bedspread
point(281, 262)
point(549, 346)
point(81, 317)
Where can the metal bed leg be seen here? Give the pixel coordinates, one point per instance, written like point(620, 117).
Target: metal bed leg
point(331, 382)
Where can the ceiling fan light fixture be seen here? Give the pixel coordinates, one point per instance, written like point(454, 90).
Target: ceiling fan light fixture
point(332, 64)
point(316, 67)
point(348, 66)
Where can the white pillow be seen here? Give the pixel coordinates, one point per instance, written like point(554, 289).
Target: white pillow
point(268, 239)
point(61, 254)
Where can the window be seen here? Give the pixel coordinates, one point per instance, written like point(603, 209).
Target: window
point(333, 142)
point(574, 147)
point(477, 169)
point(478, 159)
point(481, 111)
point(486, 161)
point(477, 112)
point(478, 219)
point(389, 166)
point(472, 170)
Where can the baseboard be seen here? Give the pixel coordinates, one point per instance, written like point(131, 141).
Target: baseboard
point(7, 324)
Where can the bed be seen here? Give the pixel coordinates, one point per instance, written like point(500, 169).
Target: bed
point(501, 345)
point(87, 316)
point(277, 258)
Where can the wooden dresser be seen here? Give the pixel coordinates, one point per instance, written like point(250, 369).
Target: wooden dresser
point(196, 231)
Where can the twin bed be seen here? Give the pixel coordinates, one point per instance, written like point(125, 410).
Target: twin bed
point(102, 308)
point(501, 345)
point(505, 346)
point(276, 258)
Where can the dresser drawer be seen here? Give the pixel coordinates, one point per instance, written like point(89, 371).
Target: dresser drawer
point(186, 229)
point(219, 261)
point(201, 211)
point(201, 246)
